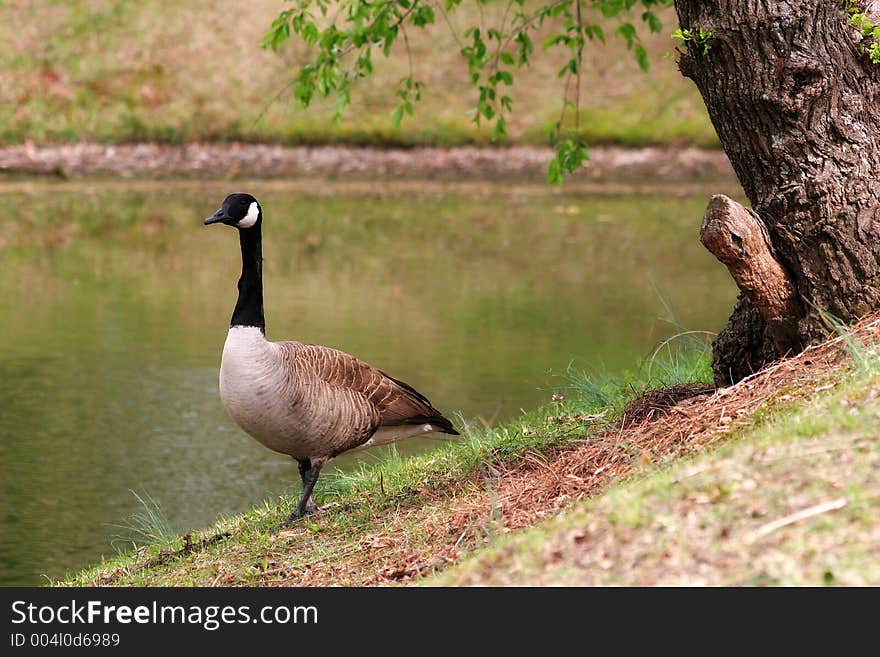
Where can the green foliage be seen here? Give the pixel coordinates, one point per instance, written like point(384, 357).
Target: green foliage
point(686, 357)
point(345, 34)
point(149, 526)
point(571, 153)
point(864, 356)
point(870, 43)
point(701, 37)
point(683, 358)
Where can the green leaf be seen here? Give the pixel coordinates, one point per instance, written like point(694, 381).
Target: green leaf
point(654, 23)
point(571, 154)
point(423, 15)
point(598, 32)
point(397, 116)
point(628, 32)
point(642, 58)
point(555, 39)
point(611, 8)
point(500, 129)
point(526, 47)
point(554, 172)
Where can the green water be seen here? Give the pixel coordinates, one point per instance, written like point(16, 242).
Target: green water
point(115, 300)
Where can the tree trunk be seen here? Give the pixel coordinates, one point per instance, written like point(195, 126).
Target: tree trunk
point(796, 104)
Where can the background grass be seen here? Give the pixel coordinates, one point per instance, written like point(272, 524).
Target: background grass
point(117, 71)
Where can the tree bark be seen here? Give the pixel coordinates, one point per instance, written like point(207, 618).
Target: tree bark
point(796, 104)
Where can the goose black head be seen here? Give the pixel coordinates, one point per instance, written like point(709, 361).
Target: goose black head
point(239, 211)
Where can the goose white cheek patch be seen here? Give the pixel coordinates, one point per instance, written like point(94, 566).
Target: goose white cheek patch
point(251, 217)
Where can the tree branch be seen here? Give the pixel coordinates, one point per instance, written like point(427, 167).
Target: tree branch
point(737, 237)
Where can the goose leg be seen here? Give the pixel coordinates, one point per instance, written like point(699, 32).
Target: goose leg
point(309, 472)
point(304, 467)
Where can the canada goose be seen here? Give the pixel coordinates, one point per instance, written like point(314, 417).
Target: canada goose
point(304, 400)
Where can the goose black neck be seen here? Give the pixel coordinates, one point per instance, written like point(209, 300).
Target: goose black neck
point(249, 308)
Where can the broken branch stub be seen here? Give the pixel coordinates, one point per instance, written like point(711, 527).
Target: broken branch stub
point(737, 237)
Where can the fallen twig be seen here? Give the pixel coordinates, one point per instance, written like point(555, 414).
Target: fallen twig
point(831, 505)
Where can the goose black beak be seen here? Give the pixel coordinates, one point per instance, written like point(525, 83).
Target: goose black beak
point(218, 217)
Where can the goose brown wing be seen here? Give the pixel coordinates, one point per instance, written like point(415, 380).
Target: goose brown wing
point(406, 405)
point(395, 401)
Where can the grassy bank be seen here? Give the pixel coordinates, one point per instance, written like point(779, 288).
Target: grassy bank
point(115, 71)
point(773, 480)
point(793, 501)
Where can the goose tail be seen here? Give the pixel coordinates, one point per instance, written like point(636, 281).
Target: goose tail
point(437, 421)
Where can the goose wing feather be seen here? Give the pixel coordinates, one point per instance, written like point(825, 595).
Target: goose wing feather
point(386, 400)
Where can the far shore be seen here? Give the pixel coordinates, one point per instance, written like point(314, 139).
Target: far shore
point(244, 160)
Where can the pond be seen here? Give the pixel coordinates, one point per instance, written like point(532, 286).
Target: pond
point(115, 302)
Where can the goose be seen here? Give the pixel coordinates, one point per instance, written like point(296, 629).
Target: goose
point(304, 400)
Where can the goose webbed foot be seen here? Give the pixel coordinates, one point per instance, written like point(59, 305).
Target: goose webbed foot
point(299, 514)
